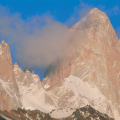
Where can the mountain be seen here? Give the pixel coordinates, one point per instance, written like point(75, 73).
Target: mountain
point(32, 92)
point(9, 91)
point(85, 113)
point(96, 61)
point(88, 74)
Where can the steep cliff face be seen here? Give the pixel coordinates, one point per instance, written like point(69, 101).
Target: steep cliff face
point(9, 92)
point(6, 71)
point(97, 62)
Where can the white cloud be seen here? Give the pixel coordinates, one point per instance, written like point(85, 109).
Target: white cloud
point(113, 11)
point(79, 13)
point(38, 41)
point(118, 32)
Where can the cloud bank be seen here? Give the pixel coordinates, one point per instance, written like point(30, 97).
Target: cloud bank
point(38, 41)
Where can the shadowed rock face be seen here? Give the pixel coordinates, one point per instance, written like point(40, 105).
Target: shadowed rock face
point(88, 113)
point(97, 61)
point(9, 92)
point(22, 114)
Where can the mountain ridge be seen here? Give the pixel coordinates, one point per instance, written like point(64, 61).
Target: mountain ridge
point(84, 113)
point(91, 67)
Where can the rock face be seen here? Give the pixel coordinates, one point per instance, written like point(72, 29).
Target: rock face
point(9, 92)
point(6, 71)
point(98, 60)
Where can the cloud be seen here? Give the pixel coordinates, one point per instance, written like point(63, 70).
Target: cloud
point(38, 40)
point(79, 13)
point(113, 11)
point(118, 32)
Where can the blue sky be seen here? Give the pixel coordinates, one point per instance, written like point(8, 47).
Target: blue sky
point(26, 20)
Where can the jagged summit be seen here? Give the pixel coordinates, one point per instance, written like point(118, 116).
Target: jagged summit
point(94, 17)
point(95, 10)
point(3, 41)
point(27, 71)
point(33, 72)
point(4, 44)
point(98, 60)
point(96, 23)
point(16, 64)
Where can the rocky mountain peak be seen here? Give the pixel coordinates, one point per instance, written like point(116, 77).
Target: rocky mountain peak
point(24, 78)
point(8, 86)
point(97, 61)
point(95, 11)
point(33, 72)
point(95, 26)
point(94, 17)
point(6, 71)
point(16, 64)
point(3, 42)
point(27, 71)
point(17, 71)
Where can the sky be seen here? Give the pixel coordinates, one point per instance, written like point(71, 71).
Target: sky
point(37, 30)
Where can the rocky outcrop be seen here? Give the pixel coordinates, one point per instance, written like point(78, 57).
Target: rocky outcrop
point(25, 78)
point(97, 61)
point(88, 113)
point(85, 113)
point(22, 114)
point(9, 92)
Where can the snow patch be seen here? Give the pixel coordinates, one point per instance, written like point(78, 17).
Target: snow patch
point(33, 97)
point(46, 86)
point(61, 113)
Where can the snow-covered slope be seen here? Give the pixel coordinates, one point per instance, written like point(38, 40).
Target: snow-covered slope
point(8, 96)
point(72, 92)
point(75, 93)
point(36, 98)
point(33, 95)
